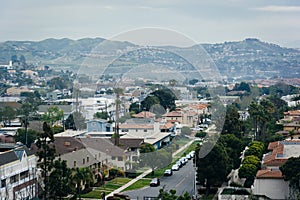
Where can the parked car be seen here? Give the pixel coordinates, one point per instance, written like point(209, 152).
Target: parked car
point(179, 163)
point(155, 182)
point(175, 167)
point(168, 172)
point(189, 156)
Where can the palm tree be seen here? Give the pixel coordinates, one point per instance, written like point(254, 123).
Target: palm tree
point(255, 113)
point(78, 177)
point(267, 111)
point(118, 92)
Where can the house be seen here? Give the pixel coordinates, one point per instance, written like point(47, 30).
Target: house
point(42, 109)
point(18, 174)
point(99, 125)
point(270, 183)
point(269, 180)
point(293, 126)
point(184, 117)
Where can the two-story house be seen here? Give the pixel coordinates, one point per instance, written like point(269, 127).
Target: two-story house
point(18, 174)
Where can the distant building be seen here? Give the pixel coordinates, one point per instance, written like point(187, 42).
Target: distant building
point(18, 174)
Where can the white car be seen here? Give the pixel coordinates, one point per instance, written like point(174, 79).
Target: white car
point(175, 167)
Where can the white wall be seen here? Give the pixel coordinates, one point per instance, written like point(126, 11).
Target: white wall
point(15, 168)
point(272, 188)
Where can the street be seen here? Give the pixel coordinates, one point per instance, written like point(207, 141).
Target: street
point(182, 181)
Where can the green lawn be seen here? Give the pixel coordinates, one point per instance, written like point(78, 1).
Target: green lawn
point(139, 184)
point(107, 188)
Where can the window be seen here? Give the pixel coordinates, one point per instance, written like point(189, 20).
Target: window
point(74, 163)
point(120, 158)
point(83, 161)
point(95, 156)
point(136, 130)
point(113, 158)
point(14, 178)
point(88, 159)
point(145, 130)
point(3, 183)
point(24, 174)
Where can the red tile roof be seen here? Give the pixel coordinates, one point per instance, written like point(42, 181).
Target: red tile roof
point(268, 173)
point(173, 114)
point(144, 114)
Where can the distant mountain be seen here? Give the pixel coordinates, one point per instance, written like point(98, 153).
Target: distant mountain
point(250, 58)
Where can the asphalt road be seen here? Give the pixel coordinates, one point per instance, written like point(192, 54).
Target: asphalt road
point(182, 181)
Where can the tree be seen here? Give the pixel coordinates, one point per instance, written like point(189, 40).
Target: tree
point(255, 111)
point(101, 115)
point(248, 171)
point(27, 110)
point(46, 156)
point(149, 101)
point(20, 136)
point(254, 160)
point(171, 195)
point(232, 124)
point(213, 168)
point(290, 171)
point(75, 121)
point(57, 83)
point(7, 114)
point(135, 107)
point(118, 92)
point(154, 159)
point(14, 58)
point(165, 97)
point(233, 146)
point(267, 111)
point(60, 180)
point(53, 114)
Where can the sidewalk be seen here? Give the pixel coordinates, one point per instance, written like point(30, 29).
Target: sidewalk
point(146, 172)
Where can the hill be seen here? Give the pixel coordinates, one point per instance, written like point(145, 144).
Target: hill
point(247, 59)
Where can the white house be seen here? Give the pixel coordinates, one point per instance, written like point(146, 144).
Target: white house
point(18, 174)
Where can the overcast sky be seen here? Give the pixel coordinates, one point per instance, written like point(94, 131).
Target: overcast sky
point(205, 21)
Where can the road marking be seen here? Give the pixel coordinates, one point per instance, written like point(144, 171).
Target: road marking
point(179, 183)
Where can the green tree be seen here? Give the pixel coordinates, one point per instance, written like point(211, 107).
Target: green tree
point(7, 114)
point(60, 180)
point(46, 156)
point(135, 107)
point(291, 173)
point(232, 124)
point(252, 160)
point(101, 115)
point(155, 159)
point(149, 101)
point(233, 146)
point(27, 110)
point(213, 168)
point(248, 171)
point(75, 121)
point(20, 136)
point(53, 114)
point(171, 195)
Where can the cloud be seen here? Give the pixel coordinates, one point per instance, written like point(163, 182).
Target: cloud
point(279, 8)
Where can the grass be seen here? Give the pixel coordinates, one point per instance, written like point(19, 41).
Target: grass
point(139, 184)
point(107, 188)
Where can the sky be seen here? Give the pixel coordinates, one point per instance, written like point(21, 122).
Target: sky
point(204, 21)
